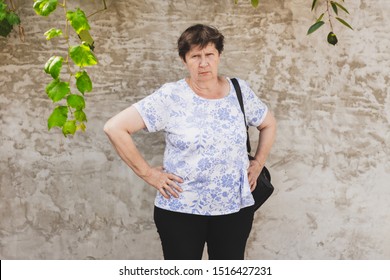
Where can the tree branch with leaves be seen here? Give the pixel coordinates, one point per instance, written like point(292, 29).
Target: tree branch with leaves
point(67, 89)
point(331, 12)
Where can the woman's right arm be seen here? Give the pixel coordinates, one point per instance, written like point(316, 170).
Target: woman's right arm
point(119, 129)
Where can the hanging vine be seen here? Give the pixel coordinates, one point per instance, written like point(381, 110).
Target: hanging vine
point(329, 7)
point(67, 88)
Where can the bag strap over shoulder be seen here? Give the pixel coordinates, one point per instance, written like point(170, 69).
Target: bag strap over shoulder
point(240, 100)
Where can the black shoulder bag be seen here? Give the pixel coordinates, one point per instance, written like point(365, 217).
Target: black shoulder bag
point(264, 188)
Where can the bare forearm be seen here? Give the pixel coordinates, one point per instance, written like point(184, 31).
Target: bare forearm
point(119, 130)
point(266, 139)
point(127, 150)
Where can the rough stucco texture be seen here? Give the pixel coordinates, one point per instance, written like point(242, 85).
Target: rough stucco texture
point(73, 198)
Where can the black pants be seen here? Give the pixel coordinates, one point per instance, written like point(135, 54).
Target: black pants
point(183, 236)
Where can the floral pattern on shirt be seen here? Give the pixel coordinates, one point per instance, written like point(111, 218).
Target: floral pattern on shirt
point(205, 146)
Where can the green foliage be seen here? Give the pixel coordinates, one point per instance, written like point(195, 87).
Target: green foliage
point(52, 33)
point(53, 66)
point(76, 101)
point(83, 82)
point(78, 20)
point(82, 55)
point(344, 22)
point(255, 3)
point(69, 127)
point(58, 117)
point(8, 19)
point(68, 115)
point(45, 7)
point(336, 7)
point(315, 26)
point(57, 90)
point(313, 5)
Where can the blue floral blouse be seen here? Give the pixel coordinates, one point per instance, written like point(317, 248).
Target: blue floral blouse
point(205, 146)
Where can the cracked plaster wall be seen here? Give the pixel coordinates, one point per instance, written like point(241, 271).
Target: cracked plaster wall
point(74, 199)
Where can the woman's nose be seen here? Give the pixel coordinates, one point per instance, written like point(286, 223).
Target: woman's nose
point(203, 61)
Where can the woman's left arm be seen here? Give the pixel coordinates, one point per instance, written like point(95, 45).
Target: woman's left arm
point(267, 132)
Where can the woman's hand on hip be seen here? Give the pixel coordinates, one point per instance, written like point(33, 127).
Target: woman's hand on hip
point(254, 171)
point(165, 183)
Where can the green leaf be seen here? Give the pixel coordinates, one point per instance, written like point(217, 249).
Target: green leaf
point(82, 55)
point(5, 28)
point(53, 66)
point(255, 3)
point(236, 2)
point(58, 117)
point(69, 128)
point(341, 7)
point(86, 37)
point(332, 39)
point(78, 20)
point(3, 10)
point(13, 18)
point(315, 26)
point(80, 116)
point(3, 14)
point(344, 22)
point(3, 6)
point(57, 90)
point(81, 127)
point(45, 7)
point(76, 101)
point(334, 7)
point(53, 32)
point(321, 16)
point(83, 82)
point(313, 4)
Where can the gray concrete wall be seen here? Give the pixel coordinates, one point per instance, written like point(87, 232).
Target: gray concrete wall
point(74, 199)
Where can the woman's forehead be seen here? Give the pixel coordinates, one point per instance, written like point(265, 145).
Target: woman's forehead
point(198, 48)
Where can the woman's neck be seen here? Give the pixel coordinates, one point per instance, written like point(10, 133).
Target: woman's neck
point(211, 89)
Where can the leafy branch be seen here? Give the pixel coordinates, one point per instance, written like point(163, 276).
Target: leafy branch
point(69, 112)
point(336, 7)
point(330, 8)
point(9, 18)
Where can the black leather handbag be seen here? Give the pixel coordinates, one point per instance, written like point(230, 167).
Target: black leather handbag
point(264, 188)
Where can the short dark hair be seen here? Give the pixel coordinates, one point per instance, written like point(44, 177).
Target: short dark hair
point(199, 35)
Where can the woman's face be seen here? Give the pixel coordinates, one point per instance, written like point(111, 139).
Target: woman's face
point(202, 64)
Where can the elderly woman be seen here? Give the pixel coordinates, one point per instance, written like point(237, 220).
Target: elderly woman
point(204, 187)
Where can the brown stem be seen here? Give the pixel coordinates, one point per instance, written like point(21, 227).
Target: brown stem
point(12, 5)
point(104, 8)
point(329, 14)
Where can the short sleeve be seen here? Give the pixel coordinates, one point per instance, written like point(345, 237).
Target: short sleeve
point(153, 110)
point(255, 109)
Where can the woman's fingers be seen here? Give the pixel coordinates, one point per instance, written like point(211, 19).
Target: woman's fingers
point(252, 183)
point(168, 184)
point(173, 180)
point(253, 173)
point(168, 190)
point(252, 178)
